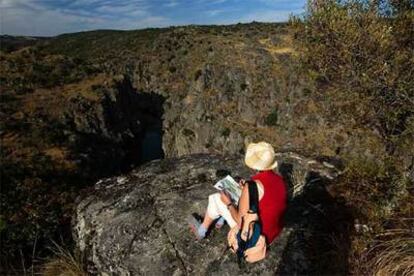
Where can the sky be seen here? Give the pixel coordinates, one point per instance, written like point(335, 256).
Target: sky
point(53, 17)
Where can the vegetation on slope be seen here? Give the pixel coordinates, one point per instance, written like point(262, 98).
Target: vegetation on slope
point(64, 124)
point(38, 179)
point(360, 57)
point(13, 43)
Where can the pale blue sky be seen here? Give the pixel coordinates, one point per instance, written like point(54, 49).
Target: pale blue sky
point(52, 17)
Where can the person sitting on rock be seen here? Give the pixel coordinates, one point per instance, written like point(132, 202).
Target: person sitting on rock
point(272, 197)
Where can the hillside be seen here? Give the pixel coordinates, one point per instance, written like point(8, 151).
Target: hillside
point(10, 43)
point(219, 73)
point(80, 107)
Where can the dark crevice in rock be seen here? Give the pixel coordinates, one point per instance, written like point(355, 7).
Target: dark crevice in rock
point(177, 254)
point(121, 131)
point(148, 108)
point(170, 240)
point(157, 222)
point(181, 188)
point(131, 244)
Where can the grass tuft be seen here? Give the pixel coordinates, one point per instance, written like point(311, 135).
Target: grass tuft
point(394, 256)
point(64, 263)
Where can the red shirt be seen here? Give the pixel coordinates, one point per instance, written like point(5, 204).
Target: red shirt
point(272, 205)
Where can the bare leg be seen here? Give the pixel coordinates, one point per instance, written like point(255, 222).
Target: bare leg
point(200, 229)
point(207, 221)
point(215, 209)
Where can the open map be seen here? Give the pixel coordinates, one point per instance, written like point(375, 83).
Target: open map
point(230, 186)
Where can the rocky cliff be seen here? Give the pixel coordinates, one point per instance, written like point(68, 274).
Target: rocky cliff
point(135, 224)
point(223, 86)
point(63, 126)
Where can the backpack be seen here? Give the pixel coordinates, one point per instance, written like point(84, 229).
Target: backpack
point(250, 246)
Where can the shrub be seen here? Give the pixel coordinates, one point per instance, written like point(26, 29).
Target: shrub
point(359, 56)
point(172, 69)
point(272, 118)
point(226, 132)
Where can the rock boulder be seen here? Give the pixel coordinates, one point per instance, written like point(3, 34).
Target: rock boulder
point(136, 224)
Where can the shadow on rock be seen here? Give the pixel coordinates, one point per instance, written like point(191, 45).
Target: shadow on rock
point(122, 131)
point(320, 241)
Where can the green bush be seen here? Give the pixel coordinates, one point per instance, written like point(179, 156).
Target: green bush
point(272, 118)
point(226, 132)
point(360, 53)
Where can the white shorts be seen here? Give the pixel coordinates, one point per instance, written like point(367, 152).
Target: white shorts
point(216, 208)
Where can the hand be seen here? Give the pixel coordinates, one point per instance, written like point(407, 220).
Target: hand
point(225, 198)
point(242, 182)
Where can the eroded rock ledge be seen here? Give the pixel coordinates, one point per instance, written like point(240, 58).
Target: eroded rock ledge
point(136, 224)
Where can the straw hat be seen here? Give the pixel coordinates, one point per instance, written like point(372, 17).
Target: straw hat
point(260, 156)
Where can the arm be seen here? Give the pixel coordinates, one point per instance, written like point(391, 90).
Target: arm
point(237, 213)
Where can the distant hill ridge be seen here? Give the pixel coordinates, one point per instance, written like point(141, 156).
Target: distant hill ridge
point(9, 43)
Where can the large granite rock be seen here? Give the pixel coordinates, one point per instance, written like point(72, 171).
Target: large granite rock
point(136, 224)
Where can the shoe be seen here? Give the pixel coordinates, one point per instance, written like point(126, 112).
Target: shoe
point(195, 225)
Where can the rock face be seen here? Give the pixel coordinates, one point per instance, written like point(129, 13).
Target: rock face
point(113, 127)
point(136, 224)
point(220, 84)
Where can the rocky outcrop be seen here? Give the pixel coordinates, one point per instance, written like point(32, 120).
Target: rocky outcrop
point(108, 133)
point(220, 83)
point(223, 87)
point(136, 224)
point(218, 108)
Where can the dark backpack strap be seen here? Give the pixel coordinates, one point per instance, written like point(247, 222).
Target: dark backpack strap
point(253, 196)
point(253, 207)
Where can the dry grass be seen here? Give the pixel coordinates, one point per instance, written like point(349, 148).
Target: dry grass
point(394, 256)
point(57, 153)
point(84, 88)
point(63, 264)
point(285, 46)
point(60, 156)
